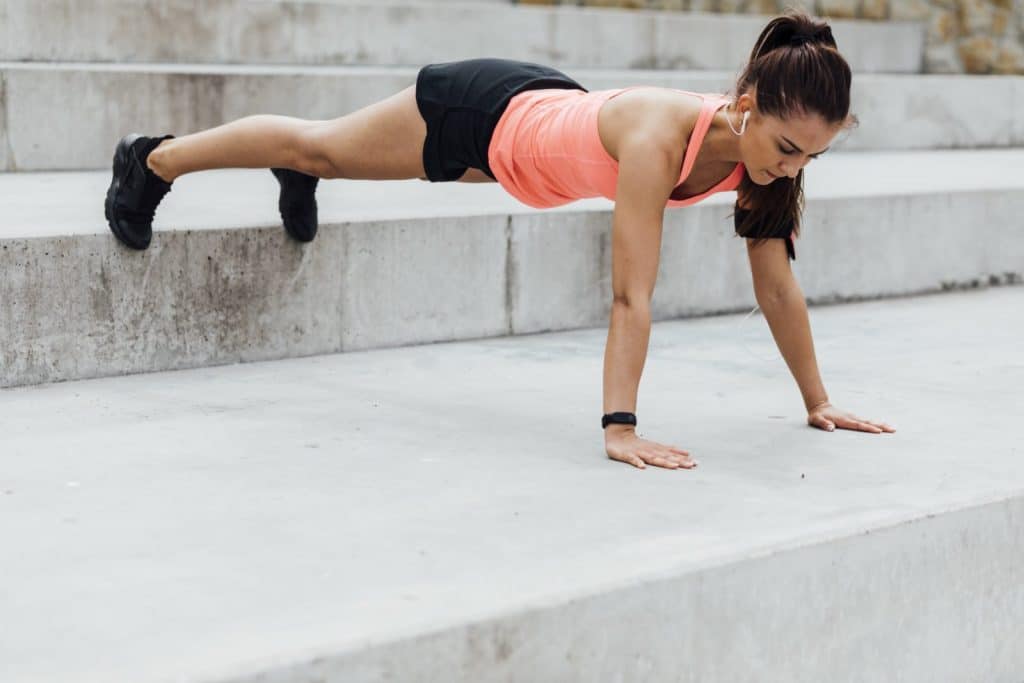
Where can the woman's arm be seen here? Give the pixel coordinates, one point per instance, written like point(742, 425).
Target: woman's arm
point(784, 307)
point(648, 169)
point(782, 302)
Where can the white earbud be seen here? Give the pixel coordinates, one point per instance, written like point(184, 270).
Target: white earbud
point(743, 123)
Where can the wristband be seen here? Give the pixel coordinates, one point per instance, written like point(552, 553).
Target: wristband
point(618, 418)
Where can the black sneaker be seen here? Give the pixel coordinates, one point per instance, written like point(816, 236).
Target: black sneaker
point(135, 191)
point(297, 203)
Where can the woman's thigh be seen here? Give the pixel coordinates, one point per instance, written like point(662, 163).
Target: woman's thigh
point(383, 141)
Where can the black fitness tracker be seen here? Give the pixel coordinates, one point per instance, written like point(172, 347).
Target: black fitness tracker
point(619, 419)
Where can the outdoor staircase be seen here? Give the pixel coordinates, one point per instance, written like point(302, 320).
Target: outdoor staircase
point(374, 506)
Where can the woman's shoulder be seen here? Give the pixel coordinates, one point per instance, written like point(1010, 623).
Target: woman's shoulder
point(666, 115)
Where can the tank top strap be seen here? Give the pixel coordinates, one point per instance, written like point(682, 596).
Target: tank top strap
point(710, 106)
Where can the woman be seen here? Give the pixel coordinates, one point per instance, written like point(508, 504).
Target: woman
point(549, 141)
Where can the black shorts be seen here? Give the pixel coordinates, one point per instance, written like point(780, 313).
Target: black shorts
point(462, 103)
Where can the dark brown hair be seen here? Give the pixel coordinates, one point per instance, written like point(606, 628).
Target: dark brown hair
point(795, 69)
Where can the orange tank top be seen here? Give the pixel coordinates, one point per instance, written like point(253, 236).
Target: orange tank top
point(546, 151)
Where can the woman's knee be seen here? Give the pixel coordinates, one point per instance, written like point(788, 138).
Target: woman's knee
point(310, 154)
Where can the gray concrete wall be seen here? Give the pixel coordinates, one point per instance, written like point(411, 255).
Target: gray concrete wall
point(80, 306)
point(377, 33)
point(448, 513)
point(934, 599)
point(895, 112)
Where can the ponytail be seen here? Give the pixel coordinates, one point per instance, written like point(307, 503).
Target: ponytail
point(795, 69)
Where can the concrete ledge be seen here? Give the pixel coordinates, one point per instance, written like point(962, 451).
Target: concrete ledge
point(918, 600)
point(398, 33)
point(410, 263)
point(447, 513)
point(896, 112)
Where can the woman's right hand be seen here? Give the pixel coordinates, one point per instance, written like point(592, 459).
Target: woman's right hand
point(623, 444)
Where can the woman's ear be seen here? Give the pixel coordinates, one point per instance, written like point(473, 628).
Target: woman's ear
point(747, 101)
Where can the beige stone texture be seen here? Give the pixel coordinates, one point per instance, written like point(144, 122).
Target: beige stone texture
point(1009, 59)
point(669, 5)
point(763, 7)
point(942, 27)
point(978, 54)
point(963, 36)
point(877, 10)
point(1000, 22)
point(838, 9)
point(704, 5)
point(942, 59)
point(975, 16)
point(802, 5)
point(910, 10)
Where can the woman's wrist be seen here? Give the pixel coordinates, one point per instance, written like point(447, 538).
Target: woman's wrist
point(615, 430)
point(811, 407)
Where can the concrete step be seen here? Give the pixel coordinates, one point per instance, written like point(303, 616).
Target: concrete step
point(223, 284)
point(447, 513)
point(896, 112)
point(404, 33)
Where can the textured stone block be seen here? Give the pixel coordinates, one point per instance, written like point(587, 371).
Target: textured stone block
point(939, 111)
point(83, 306)
point(920, 243)
point(183, 103)
point(371, 34)
point(975, 16)
point(669, 5)
point(705, 5)
point(1009, 59)
point(875, 9)
point(978, 54)
point(162, 100)
point(910, 10)
point(765, 7)
point(1000, 22)
point(808, 6)
point(943, 26)
point(559, 271)
point(703, 264)
point(6, 163)
point(421, 281)
point(838, 9)
point(943, 59)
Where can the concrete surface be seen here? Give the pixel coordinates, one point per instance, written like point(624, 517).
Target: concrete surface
point(413, 262)
point(896, 112)
point(379, 32)
point(447, 513)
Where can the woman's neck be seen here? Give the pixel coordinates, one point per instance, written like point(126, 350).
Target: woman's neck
point(721, 144)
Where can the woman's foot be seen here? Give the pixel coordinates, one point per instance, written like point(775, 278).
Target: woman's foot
point(297, 203)
point(135, 191)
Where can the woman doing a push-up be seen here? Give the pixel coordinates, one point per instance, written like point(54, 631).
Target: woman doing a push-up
point(549, 141)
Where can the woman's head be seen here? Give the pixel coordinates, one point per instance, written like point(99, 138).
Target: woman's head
point(794, 95)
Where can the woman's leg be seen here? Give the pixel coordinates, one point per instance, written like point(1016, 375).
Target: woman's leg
point(383, 141)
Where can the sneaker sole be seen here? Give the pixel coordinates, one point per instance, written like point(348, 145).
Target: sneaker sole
point(121, 161)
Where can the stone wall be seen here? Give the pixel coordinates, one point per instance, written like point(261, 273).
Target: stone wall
point(964, 36)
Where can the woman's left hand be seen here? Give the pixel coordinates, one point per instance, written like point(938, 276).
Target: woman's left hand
point(826, 416)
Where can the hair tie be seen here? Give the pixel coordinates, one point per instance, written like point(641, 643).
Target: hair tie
point(798, 39)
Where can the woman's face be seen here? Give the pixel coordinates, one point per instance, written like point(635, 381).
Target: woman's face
point(772, 148)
